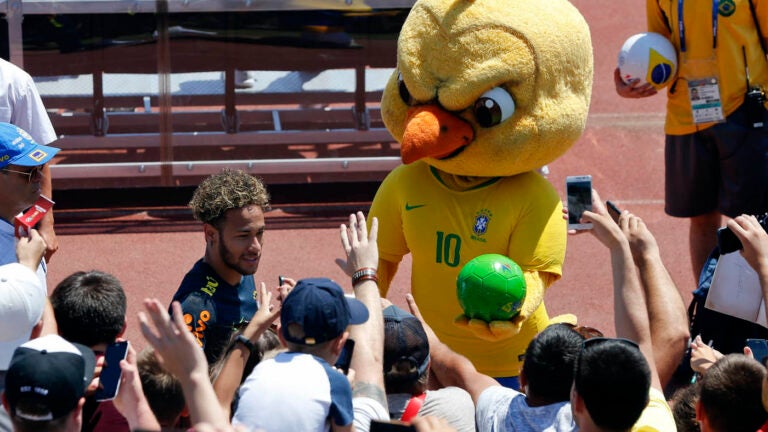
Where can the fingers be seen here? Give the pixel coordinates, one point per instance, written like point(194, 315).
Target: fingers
point(413, 306)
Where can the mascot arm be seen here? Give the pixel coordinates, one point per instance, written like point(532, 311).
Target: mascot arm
point(386, 272)
point(536, 283)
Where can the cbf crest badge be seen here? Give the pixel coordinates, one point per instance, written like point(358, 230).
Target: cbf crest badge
point(482, 219)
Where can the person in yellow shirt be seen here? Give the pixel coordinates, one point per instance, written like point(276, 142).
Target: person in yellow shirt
point(716, 152)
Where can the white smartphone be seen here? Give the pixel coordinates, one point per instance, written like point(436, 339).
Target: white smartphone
point(578, 190)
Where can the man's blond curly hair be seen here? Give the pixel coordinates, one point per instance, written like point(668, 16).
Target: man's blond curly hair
point(229, 189)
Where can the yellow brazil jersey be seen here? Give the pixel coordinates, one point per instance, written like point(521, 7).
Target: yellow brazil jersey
point(519, 216)
point(736, 29)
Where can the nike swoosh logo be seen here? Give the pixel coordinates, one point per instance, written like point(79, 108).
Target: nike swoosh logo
point(411, 207)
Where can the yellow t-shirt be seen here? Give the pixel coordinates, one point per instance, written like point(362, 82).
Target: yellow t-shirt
point(736, 29)
point(657, 416)
point(520, 217)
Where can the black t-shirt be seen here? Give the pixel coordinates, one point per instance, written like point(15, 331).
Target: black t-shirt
point(213, 309)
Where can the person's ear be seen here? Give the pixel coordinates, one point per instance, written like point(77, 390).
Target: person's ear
point(37, 330)
point(122, 330)
point(701, 416)
point(338, 344)
point(523, 382)
point(6, 405)
point(211, 233)
point(577, 403)
point(77, 413)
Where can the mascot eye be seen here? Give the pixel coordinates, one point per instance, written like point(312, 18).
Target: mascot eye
point(405, 95)
point(493, 107)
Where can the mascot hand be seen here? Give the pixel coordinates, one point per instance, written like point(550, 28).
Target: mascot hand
point(490, 331)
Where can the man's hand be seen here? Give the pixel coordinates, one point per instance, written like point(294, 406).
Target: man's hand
point(754, 240)
point(641, 242)
point(603, 226)
point(359, 245)
point(175, 346)
point(49, 235)
point(490, 331)
point(632, 90)
point(264, 316)
point(30, 250)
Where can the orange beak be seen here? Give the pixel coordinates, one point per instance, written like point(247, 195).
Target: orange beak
point(431, 131)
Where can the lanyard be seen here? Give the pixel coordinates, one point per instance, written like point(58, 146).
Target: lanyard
point(681, 26)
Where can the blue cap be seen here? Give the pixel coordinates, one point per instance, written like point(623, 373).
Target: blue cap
point(320, 308)
point(18, 148)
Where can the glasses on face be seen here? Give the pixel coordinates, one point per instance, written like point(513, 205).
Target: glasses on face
point(35, 171)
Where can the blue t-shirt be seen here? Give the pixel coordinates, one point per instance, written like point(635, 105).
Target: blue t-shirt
point(214, 309)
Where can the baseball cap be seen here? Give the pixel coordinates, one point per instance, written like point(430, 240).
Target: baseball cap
point(47, 377)
point(18, 148)
point(22, 300)
point(404, 340)
point(322, 310)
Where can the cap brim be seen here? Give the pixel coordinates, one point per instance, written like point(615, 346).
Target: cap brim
point(358, 313)
point(7, 349)
point(38, 155)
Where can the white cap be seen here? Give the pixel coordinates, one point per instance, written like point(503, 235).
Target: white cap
point(22, 300)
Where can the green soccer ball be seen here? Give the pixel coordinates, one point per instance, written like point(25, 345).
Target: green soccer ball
point(491, 287)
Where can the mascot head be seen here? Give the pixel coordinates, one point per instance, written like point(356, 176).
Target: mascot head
point(489, 87)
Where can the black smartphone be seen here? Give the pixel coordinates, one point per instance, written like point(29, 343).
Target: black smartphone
point(759, 349)
point(613, 210)
point(578, 190)
point(727, 241)
point(345, 358)
point(109, 379)
point(280, 280)
point(391, 426)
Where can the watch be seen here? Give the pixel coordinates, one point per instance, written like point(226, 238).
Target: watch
point(244, 340)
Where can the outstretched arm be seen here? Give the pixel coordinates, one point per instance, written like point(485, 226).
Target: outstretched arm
point(667, 314)
point(755, 247)
point(362, 252)
point(450, 367)
point(630, 310)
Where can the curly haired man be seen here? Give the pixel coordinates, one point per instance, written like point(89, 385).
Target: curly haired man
point(219, 294)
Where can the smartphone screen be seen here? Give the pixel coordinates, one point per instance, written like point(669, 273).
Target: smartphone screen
point(345, 358)
point(109, 379)
point(759, 349)
point(578, 190)
point(613, 210)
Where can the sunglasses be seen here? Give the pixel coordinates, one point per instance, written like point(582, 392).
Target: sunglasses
point(35, 171)
point(585, 331)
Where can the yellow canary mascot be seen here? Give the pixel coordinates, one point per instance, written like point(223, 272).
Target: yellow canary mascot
point(485, 92)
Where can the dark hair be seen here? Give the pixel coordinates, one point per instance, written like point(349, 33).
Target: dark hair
point(89, 307)
point(162, 389)
point(229, 189)
point(731, 394)
point(613, 378)
point(683, 404)
point(549, 363)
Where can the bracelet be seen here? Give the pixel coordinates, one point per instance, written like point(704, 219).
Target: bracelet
point(247, 343)
point(364, 274)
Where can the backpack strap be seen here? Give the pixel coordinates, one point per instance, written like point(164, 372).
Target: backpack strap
point(413, 407)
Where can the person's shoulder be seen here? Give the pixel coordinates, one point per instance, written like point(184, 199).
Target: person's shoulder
point(657, 415)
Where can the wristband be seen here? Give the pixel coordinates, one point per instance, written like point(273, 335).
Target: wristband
point(247, 343)
point(364, 274)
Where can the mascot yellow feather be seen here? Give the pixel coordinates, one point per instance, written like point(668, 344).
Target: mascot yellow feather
point(485, 92)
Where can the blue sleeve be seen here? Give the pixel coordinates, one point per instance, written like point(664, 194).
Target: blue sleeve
point(341, 410)
point(199, 309)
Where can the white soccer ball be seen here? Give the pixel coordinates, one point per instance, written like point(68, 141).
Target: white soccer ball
point(648, 58)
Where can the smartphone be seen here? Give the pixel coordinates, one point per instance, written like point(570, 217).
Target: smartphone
point(578, 190)
point(391, 426)
point(109, 379)
point(613, 210)
point(280, 280)
point(727, 241)
point(759, 349)
point(345, 358)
